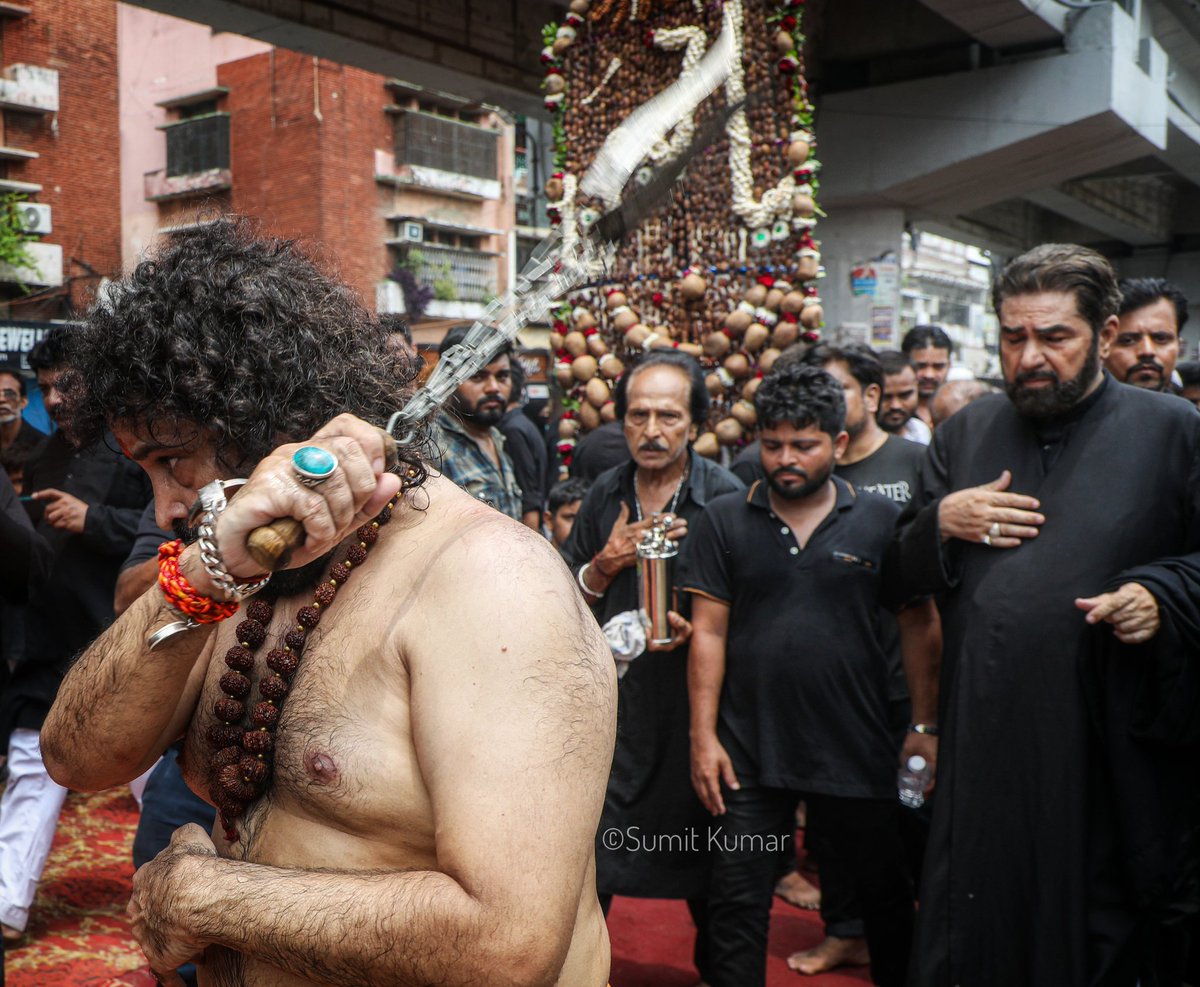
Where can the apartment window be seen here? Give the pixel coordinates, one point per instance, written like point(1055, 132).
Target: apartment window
point(446, 144)
point(452, 265)
point(199, 140)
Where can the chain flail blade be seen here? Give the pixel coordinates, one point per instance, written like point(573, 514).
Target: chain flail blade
point(555, 269)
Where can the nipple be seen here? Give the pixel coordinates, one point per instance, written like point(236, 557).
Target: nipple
point(321, 767)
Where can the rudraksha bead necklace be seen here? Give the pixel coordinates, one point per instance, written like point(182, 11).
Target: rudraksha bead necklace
point(242, 765)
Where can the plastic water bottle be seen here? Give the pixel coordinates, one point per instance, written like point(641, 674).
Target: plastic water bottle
point(912, 781)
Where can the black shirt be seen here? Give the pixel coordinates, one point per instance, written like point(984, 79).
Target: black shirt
point(599, 450)
point(146, 540)
point(804, 702)
point(526, 447)
point(891, 470)
point(76, 603)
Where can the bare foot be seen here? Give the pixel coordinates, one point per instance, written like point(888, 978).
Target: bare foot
point(795, 890)
point(829, 955)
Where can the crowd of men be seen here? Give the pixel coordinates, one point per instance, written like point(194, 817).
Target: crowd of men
point(1004, 580)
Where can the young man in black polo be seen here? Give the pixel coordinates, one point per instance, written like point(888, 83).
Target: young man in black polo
point(787, 680)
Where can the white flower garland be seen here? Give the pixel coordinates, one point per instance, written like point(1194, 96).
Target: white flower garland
point(672, 39)
point(566, 209)
point(776, 201)
point(612, 70)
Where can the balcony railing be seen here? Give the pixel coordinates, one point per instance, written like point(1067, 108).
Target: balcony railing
point(197, 144)
point(453, 274)
point(448, 145)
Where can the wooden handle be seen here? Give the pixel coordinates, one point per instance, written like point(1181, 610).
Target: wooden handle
point(271, 546)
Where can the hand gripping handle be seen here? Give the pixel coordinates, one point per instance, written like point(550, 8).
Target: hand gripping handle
point(271, 545)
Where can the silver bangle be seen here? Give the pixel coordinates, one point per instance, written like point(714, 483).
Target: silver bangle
point(164, 634)
point(203, 517)
point(587, 590)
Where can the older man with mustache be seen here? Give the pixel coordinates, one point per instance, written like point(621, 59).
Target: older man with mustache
point(645, 846)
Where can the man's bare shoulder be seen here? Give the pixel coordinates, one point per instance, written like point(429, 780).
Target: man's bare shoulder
point(483, 572)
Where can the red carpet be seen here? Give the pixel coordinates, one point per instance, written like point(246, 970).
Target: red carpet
point(78, 933)
point(652, 946)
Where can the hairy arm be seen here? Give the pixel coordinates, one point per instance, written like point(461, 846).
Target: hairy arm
point(706, 674)
point(121, 704)
point(513, 712)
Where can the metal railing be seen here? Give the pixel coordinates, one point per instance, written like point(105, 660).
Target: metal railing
point(454, 274)
point(445, 144)
point(198, 144)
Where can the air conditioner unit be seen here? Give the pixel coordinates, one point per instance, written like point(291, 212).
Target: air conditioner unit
point(35, 217)
point(413, 232)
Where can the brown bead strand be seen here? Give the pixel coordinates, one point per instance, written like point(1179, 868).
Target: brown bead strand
point(242, 764)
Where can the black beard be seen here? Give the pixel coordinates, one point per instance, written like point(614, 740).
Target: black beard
point(1061, 396)
point(284, 582)
point(488, 417)
point(1163, 379)
point(289, 582)
point(810, 485)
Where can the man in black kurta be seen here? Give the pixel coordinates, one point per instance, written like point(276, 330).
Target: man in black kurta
point(651, 841)
point(1032, 877)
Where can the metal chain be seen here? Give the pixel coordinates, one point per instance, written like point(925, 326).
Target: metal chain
point(561, 262)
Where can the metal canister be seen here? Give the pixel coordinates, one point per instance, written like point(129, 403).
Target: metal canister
point(655, 582)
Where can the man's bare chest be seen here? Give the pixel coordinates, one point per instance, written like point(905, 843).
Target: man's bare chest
point(340, 753)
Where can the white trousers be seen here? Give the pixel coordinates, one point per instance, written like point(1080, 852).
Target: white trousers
point(28, 816)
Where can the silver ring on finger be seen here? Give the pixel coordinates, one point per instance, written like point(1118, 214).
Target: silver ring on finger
point(986, 539)
point(994, 530)
point(313, 465)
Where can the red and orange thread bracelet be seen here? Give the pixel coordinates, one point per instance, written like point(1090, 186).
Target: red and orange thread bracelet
point(182, 595)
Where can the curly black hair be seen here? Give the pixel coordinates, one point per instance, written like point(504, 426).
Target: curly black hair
point(239, 334)
point(800, 395)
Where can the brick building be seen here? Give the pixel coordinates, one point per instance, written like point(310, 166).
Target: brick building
point(371, 171)
point(59, 152)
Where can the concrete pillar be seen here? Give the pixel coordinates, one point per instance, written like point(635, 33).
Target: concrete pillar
point(866, 242)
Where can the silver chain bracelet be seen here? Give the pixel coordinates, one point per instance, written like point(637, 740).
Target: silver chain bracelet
point(209, 506)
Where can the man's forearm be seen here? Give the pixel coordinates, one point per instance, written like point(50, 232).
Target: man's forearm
point(921, 650)
point(119, 706)
point(706, 675)
point(349, 928)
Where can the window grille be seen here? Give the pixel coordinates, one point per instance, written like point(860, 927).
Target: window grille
point(445, 144)
point(198, 144)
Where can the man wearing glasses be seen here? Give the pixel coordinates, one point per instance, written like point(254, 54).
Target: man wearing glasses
point(17, 436)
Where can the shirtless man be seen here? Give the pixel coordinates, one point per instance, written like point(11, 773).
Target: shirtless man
point(441, 754)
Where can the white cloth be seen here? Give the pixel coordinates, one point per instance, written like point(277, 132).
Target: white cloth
point(915, 430)
point(138, 786)
point(626, 636)
point(28, 816)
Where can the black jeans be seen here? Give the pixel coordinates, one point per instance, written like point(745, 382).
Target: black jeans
point(747, 842)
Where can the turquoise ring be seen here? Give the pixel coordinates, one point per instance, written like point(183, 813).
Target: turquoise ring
point(313, 465)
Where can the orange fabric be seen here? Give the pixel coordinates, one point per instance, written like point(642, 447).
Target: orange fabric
point(182, 595)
